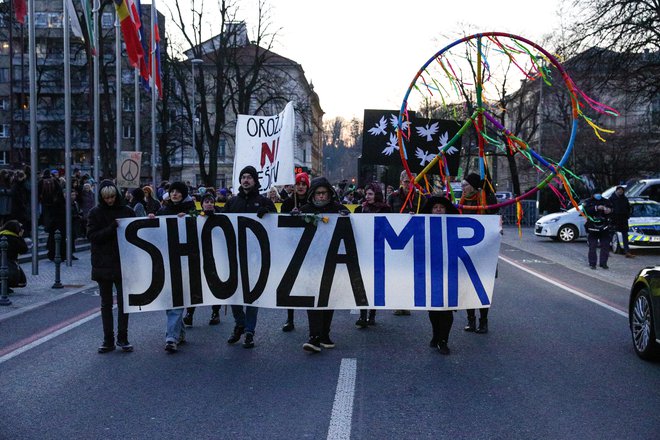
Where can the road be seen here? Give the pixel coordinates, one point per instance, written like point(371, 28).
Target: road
point(557, 363)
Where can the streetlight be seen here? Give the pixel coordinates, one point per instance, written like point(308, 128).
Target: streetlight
point(194, 61)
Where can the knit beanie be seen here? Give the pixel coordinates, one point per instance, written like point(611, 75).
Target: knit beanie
point(180, 187)
point(474, 180)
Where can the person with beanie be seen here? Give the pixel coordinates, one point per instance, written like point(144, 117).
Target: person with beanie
point(106, 268)
point(180, 204)
point(374, 203)
point(248, 200)
point(138, 203)
point(293, 205)
point(208, 209)
point(477, 192)
point(441, 320)
point(322, 199)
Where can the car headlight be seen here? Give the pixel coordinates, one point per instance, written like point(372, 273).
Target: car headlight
point(552, 220)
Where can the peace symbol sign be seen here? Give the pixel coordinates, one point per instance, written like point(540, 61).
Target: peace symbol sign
point(130, 170)
point(469, 79)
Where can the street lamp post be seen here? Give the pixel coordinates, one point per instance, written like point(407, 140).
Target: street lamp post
point(194, 62)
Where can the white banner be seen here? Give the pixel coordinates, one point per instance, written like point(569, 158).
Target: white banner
point(266, 143)
point(390, 261)
point(129, 169)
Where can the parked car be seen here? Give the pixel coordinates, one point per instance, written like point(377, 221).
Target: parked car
point(649, 188)
point(564, 226)
point(644, 226)
point(644, 313)
point(503, 195)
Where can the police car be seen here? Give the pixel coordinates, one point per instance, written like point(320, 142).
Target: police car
point(643, 226)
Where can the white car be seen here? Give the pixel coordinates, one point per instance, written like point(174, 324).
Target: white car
point(563, 226)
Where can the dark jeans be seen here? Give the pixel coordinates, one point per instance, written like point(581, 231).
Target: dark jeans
point(105, 290)
point(483, 313)
point(599, 240)
point(319, 322)
point(441, 322)
point(215, 309)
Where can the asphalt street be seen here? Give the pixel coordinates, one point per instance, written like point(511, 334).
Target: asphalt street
point(558, 363)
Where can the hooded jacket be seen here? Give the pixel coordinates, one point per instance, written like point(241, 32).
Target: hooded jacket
point(102, 234)
point(333, 205)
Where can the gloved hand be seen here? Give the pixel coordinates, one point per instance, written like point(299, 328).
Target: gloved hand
point(344, 212)
point(262, 211)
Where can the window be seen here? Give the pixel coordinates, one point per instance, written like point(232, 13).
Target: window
point(3, 158)
point(4, 104)
point(55, 20)
point(4, 48)
point(40, 19)
point(107, 20)
point(4, 74)
point(222, 146)
point(128, 103)
point(128, 131)
point(4, 130)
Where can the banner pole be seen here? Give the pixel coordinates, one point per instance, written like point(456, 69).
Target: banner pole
point(67, 135)
point(33, 139)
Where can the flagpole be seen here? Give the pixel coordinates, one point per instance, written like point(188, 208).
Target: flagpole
point(97, 103)
point(138, 123)
point(118, 103)
point(152, 80)
point(67, 133)
point(33, 139)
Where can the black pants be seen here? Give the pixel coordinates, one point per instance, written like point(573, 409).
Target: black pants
point(363, 314)
point(441, 322)
point(105, 290)
point(319, 322)
point(215, 309)
point(599, 240)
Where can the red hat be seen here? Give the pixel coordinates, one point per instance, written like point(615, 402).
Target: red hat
point(303, 177)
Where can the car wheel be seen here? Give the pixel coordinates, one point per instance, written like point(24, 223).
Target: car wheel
point(615, 245)
point(567, 233)
point(641, 326)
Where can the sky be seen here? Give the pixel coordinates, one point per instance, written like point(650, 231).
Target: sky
point(363, 54)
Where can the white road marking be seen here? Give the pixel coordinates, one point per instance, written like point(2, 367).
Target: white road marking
point(565, 287)
point(47, 338)
point(342, 409)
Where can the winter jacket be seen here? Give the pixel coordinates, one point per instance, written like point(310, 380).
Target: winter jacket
point(397, 199)
point(186, 206)
point(293, 202)
point(333, 205)
point(102, 234)
point(16, 245)
point(620, 212)
point(250, 202)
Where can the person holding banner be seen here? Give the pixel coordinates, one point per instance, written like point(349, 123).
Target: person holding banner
point(374, 203)
point(208, 209)
point(322, 199)
point(477, 192)
point(106, 269)
point(441, 320)
point(292, 205)
point(180, 204)
point(248, 200)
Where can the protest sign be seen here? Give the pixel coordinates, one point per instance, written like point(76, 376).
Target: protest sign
point(130, 165)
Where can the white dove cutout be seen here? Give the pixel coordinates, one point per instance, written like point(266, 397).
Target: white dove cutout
point(428, 131)
point(424, 156)
point(392, 145)
point(444, 138)
point(379, 128)
point(394, 120)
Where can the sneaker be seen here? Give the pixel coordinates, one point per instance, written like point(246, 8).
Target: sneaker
point(171, 347)
point(182, 339)
point(288, 326)
point(107, 347)
point(313, 345)
point(188, 319)
point(604, 266)
point(361, 323)
point(593, 267)
point(433, 343)
point(236, 336)
point(327, 343)
point(125, 346)
point(443, 348)
point(215, 318)
point(249, 340)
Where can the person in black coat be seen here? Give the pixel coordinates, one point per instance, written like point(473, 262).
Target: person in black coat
point(13, 231)
point(322, 199)
point(248, 200)
point(208, 209)
point(620, 215)
point(106, 268)
point(598, 226)
point(441, 320)
point(374, 203)
point(289, 205)
point(180, 204)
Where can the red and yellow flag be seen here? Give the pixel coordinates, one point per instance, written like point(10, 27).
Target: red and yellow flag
point(130, 32)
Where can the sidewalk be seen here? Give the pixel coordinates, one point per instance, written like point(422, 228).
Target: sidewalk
point(39, 289)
